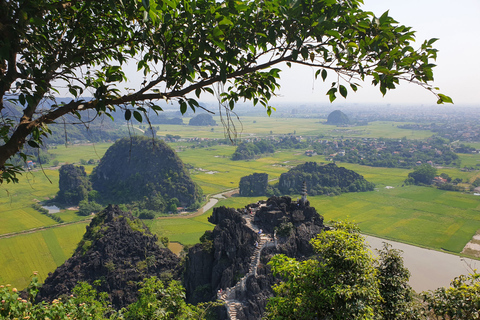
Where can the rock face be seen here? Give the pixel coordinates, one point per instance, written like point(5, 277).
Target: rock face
point(225, 254)
point(116, 252)
point(222, 258)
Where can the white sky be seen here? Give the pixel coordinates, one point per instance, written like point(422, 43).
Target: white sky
point(455, 23)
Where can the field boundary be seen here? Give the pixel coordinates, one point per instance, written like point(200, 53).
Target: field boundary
point(13, 234)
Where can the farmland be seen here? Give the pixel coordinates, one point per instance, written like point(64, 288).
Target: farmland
point(422, 216)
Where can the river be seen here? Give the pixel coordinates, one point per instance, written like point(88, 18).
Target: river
point(429, 269)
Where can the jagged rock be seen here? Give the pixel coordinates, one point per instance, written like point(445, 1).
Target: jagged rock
point(225, 259)
point(116, 252)
point(231, 244)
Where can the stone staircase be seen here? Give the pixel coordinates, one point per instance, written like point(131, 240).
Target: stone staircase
point(231, 296)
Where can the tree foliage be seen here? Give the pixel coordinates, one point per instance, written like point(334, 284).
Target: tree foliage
point(341, 283)
point(397, 296)
point(158, 300)
point(182, 48)
point(460, 301)
point(423, 174)
point(322, 179)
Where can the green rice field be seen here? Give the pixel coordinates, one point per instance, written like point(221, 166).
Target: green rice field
point(41, 251)
point(418, 215)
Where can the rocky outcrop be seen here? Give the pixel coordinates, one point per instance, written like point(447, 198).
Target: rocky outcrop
point(221, 259)
point(116, 253)
point(233, 258)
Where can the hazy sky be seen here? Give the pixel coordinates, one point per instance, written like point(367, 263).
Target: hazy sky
point(456, 24)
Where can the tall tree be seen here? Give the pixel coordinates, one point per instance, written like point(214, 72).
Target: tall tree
point(340, 284)
point(181, 48)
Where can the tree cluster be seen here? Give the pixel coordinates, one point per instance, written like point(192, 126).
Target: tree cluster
point(257, 148)
point(322, 179)
point(422, 174)
point(391, 153)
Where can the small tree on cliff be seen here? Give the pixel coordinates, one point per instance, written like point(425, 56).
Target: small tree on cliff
point(183, 47)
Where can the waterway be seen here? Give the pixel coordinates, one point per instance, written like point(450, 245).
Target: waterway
point(429, 269)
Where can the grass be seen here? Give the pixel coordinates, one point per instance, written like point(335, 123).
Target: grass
point(417, 215)
point(15, 203)
point(39, 251)
point(73, 153)
point(184, 231)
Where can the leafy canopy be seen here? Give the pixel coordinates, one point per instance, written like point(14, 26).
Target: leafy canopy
point(181, 49)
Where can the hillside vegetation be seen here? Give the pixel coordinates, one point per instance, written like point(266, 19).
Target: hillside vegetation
point(322, 179)
point(136, 168)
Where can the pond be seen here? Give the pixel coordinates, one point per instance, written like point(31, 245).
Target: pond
point(52, 209)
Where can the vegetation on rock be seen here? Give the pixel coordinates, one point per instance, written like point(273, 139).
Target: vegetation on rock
point(116, 253)
point(322, 179)
point(253, 185)
point(73, 184)
point(147, 171)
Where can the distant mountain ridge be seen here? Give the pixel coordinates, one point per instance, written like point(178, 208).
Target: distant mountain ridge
point(337, 117)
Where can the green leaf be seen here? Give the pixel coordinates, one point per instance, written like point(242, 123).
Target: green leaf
point(218, 33)
point(331, 94)
point(324, 74)
point(183, 107)
point(33, 144)
point(444, 99)
point(137, 116)
point(343, 91)
point(128, 114)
